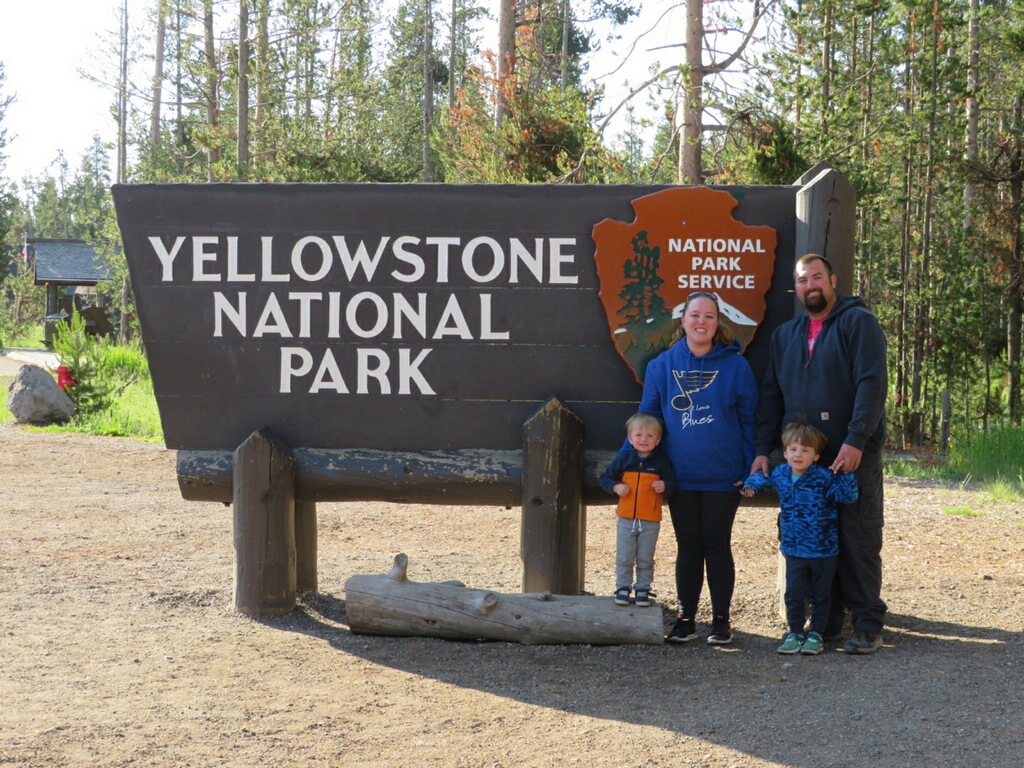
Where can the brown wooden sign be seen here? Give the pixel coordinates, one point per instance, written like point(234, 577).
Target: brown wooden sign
point(435, 343)
point(426, 317)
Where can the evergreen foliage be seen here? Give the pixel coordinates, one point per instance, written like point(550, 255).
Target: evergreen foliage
point(917, 103)
point(81, 354)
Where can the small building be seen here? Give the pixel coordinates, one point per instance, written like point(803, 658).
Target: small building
point(70, 265)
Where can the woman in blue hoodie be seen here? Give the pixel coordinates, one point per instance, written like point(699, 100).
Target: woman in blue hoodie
point(705, 393)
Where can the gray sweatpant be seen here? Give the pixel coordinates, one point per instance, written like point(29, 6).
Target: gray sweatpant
point(635, 543)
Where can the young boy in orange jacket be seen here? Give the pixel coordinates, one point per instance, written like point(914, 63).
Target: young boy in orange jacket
point(641, 476)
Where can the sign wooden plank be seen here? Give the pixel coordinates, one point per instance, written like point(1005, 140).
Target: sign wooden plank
point(405, 317)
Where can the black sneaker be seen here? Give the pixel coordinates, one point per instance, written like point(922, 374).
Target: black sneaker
point(622, 596)
point(683, 631)
point(721, 631)
point(863, 642)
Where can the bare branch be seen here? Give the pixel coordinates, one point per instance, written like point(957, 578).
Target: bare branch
point(714, 69)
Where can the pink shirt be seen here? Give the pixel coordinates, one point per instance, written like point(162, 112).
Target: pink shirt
point(813, 331)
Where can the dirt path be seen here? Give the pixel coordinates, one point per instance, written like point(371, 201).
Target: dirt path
point(118, 645)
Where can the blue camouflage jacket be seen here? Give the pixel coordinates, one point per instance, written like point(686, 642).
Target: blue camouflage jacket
point(809, 515)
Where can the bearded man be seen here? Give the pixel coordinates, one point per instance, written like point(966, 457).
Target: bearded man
point(828, 368)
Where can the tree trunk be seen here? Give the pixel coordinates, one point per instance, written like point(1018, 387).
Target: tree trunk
point(126, 295)
point(506, 58)
point(158, 82)
point(122, 101)
point(1014, 297)
point(903, 323)
point(212, 95)
point(452, 42)
point(243, 90)
point(826, 68)
point(428, 87)
point(689, 169)
point(922, 310)
point(179, 122)
point(262, 71)
point(566, 31)
point(971, 108)
point(390, 604)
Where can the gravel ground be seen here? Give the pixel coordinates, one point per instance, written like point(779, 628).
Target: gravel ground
point(119, 647)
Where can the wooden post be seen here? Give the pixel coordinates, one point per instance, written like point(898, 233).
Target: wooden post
point(826, 215)
point(553, 532)
point(780, 584)
point(305, 546)
point(264, 522)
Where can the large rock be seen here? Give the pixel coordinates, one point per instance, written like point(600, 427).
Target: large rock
point(35, 398)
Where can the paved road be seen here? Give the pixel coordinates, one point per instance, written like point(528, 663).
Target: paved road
point(11, 360)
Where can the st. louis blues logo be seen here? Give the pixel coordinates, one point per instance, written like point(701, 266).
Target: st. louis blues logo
point(688, 383)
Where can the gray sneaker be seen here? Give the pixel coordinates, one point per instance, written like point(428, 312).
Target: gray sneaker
point(863, 643)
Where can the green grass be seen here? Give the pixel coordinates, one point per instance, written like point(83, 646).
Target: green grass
point(962, 511)
point(991, 461)
point(5, 414)
point(1003, 490)
point(994, 459)
point(129, 405)
point(31, 337)
point(919, 468)
point(131, 413)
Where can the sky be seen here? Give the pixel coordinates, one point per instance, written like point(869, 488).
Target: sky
point(44, 44)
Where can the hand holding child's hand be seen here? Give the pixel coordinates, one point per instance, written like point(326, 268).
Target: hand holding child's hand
point(658, 486)
point(621, 490)
point(747, 491)
point(848, 459)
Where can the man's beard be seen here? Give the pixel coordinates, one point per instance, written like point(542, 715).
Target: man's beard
point(815, 302)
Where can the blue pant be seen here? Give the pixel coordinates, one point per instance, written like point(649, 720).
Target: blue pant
point(636, 541)
point(809, 579)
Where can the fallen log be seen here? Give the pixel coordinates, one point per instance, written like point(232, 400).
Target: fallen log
point(390, 604)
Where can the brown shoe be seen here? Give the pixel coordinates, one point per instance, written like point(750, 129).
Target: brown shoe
point(863, 643)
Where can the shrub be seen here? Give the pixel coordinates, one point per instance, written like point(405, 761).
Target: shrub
point(80, 353)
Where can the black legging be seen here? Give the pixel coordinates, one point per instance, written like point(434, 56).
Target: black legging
point(703, 526)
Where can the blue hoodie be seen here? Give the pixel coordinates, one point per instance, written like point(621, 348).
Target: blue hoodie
point(707, 404)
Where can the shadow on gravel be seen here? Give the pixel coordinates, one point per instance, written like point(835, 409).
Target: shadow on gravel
point(941, 693)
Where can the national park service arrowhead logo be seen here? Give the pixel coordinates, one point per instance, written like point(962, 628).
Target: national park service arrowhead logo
point(682, 240)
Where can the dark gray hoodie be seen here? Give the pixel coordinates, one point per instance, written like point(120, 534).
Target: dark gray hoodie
point(841, 389)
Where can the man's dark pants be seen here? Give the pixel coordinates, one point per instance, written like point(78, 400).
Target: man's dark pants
point(858, 582)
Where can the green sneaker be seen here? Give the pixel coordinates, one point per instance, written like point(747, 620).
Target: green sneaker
point(812, 644)
point(791, 643)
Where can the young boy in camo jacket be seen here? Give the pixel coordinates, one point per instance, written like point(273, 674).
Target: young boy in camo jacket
point(808, 530)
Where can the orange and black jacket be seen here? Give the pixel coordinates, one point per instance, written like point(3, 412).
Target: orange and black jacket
point(642, 503)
